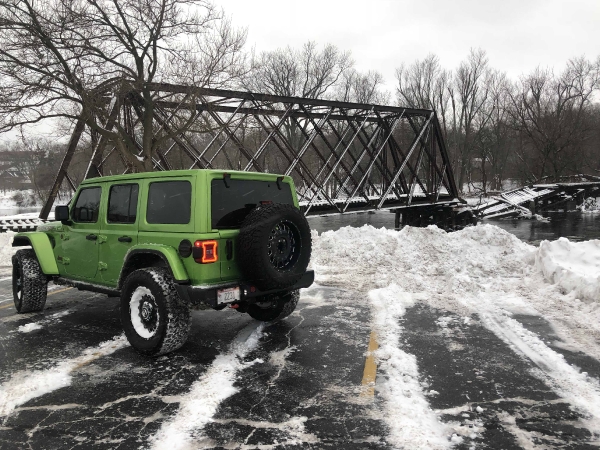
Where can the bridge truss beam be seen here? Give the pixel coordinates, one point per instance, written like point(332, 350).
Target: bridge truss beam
point(343, 157)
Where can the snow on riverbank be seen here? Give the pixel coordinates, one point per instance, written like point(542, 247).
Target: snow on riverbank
point(483, 273)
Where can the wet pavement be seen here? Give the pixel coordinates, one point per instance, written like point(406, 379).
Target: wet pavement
point(299, 387)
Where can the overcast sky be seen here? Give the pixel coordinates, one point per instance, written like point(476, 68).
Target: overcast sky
point(382, 34)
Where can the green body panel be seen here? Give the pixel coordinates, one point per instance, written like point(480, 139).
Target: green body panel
point(229, 268)
point(101, 261)
point(42, 247)
point(170, 254)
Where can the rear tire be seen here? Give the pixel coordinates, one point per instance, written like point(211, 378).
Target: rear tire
point(30, 286)
point(155, 319)
point(277, 309)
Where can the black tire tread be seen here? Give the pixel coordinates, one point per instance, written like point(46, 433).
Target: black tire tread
point(34, 282)
point(285, 308)
point(178, 317)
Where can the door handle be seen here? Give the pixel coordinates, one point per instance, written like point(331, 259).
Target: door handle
point(124, 239)
point(91, 237)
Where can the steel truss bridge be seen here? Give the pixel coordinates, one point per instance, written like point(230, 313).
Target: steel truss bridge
point(344, 157)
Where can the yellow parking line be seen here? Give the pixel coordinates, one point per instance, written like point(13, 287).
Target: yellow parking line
point(370, 372)
point(59, 291)
point(10, 305)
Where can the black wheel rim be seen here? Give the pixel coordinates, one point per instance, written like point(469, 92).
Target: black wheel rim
point(148, 312)
point(18, 285)
point(283, 246)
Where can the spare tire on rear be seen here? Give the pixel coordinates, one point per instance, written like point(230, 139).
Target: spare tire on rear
point(274, 246)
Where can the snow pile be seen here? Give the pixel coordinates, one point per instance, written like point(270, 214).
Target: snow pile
point(200, 404)
point(408, 415)
point(417, 258)
point(6, 249)
point(24, 386)
point(575, 266)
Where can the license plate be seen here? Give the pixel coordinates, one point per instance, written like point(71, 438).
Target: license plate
point(228, 295)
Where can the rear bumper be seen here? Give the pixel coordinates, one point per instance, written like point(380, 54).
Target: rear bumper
point(208, 294)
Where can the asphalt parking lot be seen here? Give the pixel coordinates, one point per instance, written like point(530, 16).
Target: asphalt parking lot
point(299, 386)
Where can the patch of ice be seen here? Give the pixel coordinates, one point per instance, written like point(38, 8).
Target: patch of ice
point(198, 407)
point(24, 386)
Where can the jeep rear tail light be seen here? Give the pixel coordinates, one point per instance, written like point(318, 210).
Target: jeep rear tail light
point(205, 252)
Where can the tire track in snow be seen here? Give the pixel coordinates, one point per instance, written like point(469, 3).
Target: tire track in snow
point(574, 386)
point(411, 421)
point(201, 403)
point(27, 385)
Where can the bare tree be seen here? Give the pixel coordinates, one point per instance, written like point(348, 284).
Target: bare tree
point(361, 88)
point(493, 134)
point(553, 114)
point(308, 72)
point(68, 58)
point(458, 99)
point(424, 84)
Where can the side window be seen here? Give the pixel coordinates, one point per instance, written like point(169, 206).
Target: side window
point(122, 203)
point(87, 205)
point(169, 202)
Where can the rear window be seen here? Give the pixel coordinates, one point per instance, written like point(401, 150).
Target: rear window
point(230, 205)
point(169, 202)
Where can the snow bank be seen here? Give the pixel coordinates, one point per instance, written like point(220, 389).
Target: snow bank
point(575, 266)
point(24, 386)
point(411, 421)
point(416, 258)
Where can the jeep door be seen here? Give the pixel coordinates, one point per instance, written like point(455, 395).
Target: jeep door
point(80, 242)
point(119, 230)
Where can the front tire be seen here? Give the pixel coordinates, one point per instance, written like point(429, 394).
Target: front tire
point(30, 286)
point(155, 319)
point(275, 310)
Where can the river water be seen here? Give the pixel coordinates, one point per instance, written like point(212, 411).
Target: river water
point(576, 226)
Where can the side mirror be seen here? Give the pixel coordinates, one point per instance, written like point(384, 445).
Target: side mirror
point(61, 213)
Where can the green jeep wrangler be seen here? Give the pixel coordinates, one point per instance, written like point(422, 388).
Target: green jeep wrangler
point(169, 241)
